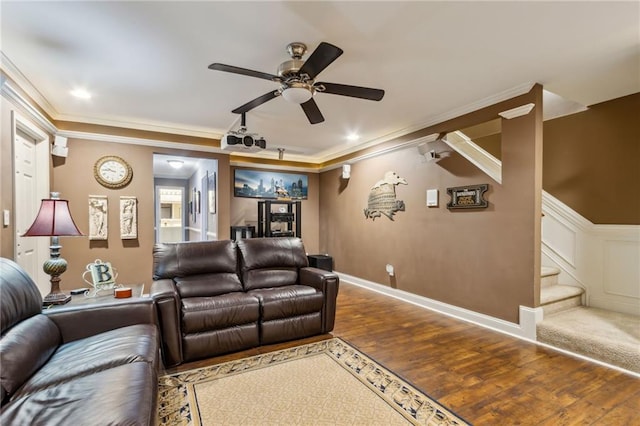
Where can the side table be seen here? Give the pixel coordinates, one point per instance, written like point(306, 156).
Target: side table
point(105, 296)
point(321, 261)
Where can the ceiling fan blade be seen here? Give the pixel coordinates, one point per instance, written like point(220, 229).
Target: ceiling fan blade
point(321, 58)
point(243, 71)
point(353, 91)
point(256, 102)
point(312, 111)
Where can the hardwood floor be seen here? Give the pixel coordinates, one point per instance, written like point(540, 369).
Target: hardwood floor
point(486, 377)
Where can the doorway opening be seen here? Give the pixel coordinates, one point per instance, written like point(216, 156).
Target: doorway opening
point(185, 198)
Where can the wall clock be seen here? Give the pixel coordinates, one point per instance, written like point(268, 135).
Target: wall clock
point(112, 172)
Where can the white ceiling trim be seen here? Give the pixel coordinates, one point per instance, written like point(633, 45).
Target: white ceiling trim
point(146, 126)
point(13, 95)
point(23, 82)
point(517, 112)
point(275, 167)
point(409, 144)
point(457, 112)
point(139, 141)
point(17, 99)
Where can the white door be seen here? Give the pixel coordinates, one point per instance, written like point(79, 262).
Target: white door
point(27, 204)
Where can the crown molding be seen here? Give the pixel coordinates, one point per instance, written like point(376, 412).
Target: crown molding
point(324, 157)
point(521, 89)
point(517, 112)
point(13, 96)
point(145, 126)
point(23, 83)
point(139, 141)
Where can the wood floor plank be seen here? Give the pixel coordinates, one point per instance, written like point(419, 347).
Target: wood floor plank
point(486, 377)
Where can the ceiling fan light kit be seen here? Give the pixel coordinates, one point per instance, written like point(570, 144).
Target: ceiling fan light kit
point(297, 94)
point(297, 80)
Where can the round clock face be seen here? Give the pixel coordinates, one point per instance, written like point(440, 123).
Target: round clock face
point(113, 172)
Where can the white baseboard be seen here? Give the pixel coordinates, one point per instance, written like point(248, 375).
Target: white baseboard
point(526, 329)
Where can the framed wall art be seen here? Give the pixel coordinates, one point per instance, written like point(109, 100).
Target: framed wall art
point(211, 192)
point(468, 197)
point(128, 218)
point(98, 215)
point(270, 184)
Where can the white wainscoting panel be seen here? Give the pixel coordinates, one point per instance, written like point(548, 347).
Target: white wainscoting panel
point(602, 259)
point(622, 268)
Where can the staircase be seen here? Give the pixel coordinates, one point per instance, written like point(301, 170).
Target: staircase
point(612, 251)
point(607, 336)
point(556, 297)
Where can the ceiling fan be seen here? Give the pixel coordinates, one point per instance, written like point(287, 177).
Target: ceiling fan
point(297, 80)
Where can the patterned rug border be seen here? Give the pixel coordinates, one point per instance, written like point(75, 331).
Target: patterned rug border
point(175, 397)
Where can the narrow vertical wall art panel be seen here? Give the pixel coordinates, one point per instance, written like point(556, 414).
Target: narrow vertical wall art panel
point(128, 218)
point(98, 215)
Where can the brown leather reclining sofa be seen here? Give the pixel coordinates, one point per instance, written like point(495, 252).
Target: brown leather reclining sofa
point(215, 297)
point(96, 365)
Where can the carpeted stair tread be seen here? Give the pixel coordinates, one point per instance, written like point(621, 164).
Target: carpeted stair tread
point(608, 336)
point(547, 271)
point(549, 276)
point(557, 292)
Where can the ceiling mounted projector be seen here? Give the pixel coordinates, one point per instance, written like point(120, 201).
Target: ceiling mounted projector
point(233, 141)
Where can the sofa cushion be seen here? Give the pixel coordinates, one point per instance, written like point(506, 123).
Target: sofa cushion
point(24, 349)
point(268, 278)
point(217, 342)
point(280, 330)
point(172, 260)
point(126, 345)
point(289, 301)
point(213, 313)
point(123, 395)
point(208, 284)
point(270, 262)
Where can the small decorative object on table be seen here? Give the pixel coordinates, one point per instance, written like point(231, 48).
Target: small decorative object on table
point(122, 292)
point(103, 277)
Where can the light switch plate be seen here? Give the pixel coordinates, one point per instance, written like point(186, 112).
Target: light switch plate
point(432, 197)
point(6, 218)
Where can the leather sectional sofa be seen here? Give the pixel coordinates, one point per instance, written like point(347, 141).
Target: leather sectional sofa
point(70, 366)
point(215, 297)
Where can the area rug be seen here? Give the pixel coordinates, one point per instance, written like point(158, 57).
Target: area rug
point(322, 383)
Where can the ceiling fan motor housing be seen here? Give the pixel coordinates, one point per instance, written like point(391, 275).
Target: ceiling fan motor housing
point(290, 68)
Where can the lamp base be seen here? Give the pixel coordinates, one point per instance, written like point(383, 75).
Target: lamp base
point(56, 299)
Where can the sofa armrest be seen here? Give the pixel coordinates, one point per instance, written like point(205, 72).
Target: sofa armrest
point(167, 300)
point(80, 321)
point(328, 283)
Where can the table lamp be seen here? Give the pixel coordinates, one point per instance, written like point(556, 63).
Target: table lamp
point(54, 220)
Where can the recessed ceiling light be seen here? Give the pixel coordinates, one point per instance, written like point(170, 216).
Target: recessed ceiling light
point(81, 93)
point(353, 136)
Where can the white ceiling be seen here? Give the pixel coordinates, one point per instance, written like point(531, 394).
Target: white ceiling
point(146, 62)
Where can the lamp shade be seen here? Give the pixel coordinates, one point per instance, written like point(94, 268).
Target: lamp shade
point(54, 219)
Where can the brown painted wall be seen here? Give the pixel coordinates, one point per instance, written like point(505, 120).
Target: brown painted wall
point(244, 211)
point(591, 161)
point(485, 260)
point(73, 178)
